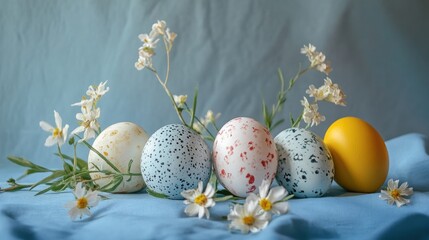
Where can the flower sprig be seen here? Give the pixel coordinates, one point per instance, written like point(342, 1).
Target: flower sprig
point(147, 51)
point(328, 92)
point(75, 170)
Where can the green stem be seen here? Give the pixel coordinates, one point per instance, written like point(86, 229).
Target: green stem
point(61, 154)
point(74, 161)
point(167, 49)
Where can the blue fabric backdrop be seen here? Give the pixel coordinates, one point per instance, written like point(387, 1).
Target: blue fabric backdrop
point(50, 51)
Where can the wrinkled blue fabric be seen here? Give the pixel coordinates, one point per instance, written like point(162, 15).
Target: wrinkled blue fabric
point(338, 215)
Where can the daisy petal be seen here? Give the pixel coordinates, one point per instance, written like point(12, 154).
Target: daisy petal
point(46, 126)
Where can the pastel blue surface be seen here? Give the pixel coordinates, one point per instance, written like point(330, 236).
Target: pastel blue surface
point(339, 215)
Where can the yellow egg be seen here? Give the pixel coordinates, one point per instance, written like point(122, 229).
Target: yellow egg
point(360, 155)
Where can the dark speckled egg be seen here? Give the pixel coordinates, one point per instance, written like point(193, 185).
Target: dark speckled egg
point(174, 159)
point(306, 168)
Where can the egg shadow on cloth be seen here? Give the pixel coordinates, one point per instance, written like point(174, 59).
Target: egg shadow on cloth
point(298, 228)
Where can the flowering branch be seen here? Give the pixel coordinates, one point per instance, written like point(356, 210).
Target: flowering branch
point(146, 52)
point(329, 92)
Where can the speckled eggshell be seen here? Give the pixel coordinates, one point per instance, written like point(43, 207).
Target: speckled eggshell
point(244, 154)
point(306, 168)
point(175, 159)
point(119, 143)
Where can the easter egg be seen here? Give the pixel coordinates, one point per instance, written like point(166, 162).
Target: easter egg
point(174, 159)
point(359, 153)
point(305, 167)
point(119, 143)
point(244, 155)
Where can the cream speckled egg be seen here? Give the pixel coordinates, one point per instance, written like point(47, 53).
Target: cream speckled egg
point(119, 143)
point(306, 168)
point(244, 154)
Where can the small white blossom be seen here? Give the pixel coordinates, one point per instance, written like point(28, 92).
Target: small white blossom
point(170, 36)
point(248, 217)
point(394, 194)
point(149, 40)
point(59, 134)
point(198, 127)
point(271, 200)
point(318, 94)
point(159, 27)
point(308, 50)
point(180, 100)
point(84, 103)
point(334, 93)
point(317, 59)
point(211, 117)
point(311, 116)
point(88, 123)
point(84, 201)
point(198, 202)
point(96, 93)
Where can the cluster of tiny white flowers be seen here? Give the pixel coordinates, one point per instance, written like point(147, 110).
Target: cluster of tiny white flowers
point(88, 117)
point(317, 59)
point(147, 50)
point(328, 92)
point(88, 122)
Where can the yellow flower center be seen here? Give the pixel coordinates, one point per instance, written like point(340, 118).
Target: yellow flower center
point(82, 203)
point(395, 193)
point(57, 133)
point(201, 200)
point(265, 204)
point(249, 220)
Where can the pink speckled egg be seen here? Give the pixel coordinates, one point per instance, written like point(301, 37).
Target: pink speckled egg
point(244, 154)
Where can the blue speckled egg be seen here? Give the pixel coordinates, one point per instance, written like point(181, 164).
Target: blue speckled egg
point(306, 168)
point(175, 159)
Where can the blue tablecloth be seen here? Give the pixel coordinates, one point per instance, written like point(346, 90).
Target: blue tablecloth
point(340, 214)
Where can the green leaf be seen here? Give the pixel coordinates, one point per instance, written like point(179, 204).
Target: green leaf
point(129, 169)
point(25, 163)
point(44, 190)
point(224, 192)
point(267, 118)
point(155, 194)
point(277, 124)
point(213, 180)
point(81, 164)
point(226, 198)
point(113, 184)
point(101, 156)
point(67, 167)
point(194, 107)
point(54, 175)
point(71, 141)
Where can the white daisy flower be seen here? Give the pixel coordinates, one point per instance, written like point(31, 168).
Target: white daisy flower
point(59, 134)
point(84, 201)
point(394, 194)
point(271, 200)
point(199, 202)
point(248, 217)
